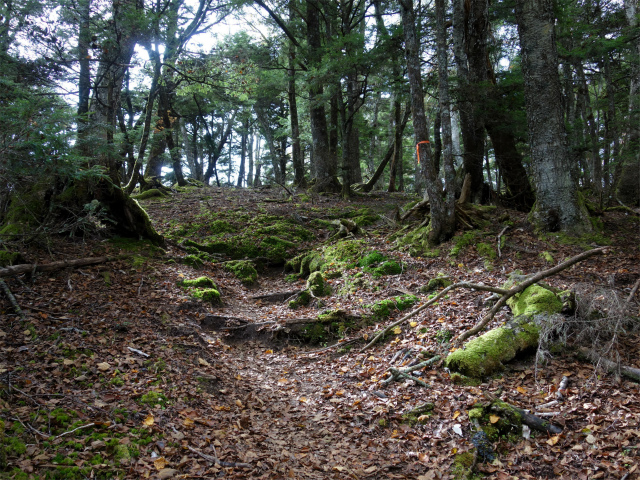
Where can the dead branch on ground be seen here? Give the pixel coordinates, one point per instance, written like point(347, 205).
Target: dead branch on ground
point(53, 266)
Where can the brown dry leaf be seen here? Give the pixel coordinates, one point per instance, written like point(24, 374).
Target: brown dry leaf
point(494, 418)
point(203, 362)
point(553, 440)
point(456, 414)
point(591, 439)
point(149, 420)
point(187, 422)
point(521, 390)
point(160, 463)
point(67, 362)
point(104, 366)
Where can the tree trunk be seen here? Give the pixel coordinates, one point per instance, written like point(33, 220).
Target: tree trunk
point(296, 151)
point(441, 227)
point(628, 186)
point(557, 203)
point(250, 169)
point(449, 221)
point(470, 21)
point(243, 151)
point(326, 168)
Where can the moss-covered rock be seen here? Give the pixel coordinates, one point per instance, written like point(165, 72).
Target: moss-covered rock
point(441, 281)
point(199, 282)
point(208, 295)
point(535, 300)
point(243, 270)
point(302, 299)
point(317, 286)
point(486, 354)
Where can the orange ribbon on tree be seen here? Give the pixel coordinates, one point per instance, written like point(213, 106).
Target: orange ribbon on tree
point(418, 149)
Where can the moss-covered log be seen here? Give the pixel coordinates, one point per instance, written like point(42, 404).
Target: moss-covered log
point(486, 354)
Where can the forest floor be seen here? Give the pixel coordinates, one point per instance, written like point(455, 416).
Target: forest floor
point(111, 371)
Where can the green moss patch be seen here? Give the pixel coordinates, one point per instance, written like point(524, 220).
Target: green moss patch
point(317, 286)
point(441, 281)
point(10, 258)
point(535, 300)
point(198, 282)
point(152, 193)
point(301, 300)
point(243, 270)
point(238, 236)
point(208, 295)
point(385, 308)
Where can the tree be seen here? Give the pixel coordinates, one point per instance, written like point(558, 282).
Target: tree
point(442, 224)
point(557, 203)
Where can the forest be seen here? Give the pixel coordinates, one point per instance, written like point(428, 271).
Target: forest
point(319, 239)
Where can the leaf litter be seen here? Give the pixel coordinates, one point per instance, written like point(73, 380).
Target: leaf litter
point(110, 374)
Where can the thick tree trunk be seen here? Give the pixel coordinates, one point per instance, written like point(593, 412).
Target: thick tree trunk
point(449, 220)
point(628, 186)
point(557, 203)
point(326, 168)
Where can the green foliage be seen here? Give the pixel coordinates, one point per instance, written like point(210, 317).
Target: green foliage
point(208, 295)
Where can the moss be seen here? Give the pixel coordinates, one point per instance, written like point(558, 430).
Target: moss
point(243, 270)
point(419, 416)
point(487, 251)
point(302, 299)
point(547, 257)
point(208, 295)
point(240, 236)
point(153, 398)
point(193, 261)
point(385, 308)
point(200, 282)
point(315, 333)
point(220, 226)
point(460, 242)
point(459, 379)
point(535, 300)
point(498, 420)
point(317, 286)
point(152, 193)
point(10, 258)
point(441, 281)
point(343, 255)
point(486, 354)
point(371, 259)
point(462, 468)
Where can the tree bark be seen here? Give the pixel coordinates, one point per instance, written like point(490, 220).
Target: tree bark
point(557, 204)
point(296, 150)
point(326, 168)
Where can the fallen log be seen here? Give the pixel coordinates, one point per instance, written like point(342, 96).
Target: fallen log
point(400, 374)
point(53, 266)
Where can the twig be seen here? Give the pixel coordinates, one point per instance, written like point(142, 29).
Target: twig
point(633, 290)
point(404, 373)
point(12, 299)
point(213, 459)
point(78, 428)
point(16, 419)
point(499, 238)
point(527, 418)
